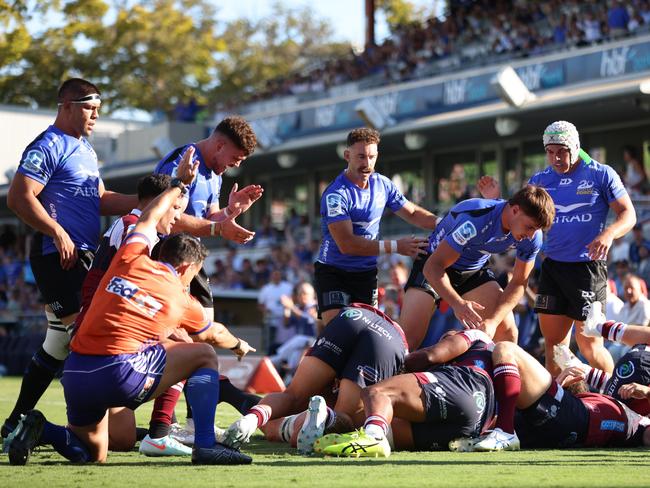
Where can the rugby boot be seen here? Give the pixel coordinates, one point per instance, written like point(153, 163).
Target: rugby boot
point(164, 446)
point(359, 444)
point(314, 425)
point(240, 431)
point(219, 454)
point(498, 440)
point(26, 437)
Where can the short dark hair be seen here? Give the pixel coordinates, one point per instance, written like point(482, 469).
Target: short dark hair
point(151, 186)
point(75, 88)
point(180, 248)
point(363, 134)
point(535, 202)
point(240, 132)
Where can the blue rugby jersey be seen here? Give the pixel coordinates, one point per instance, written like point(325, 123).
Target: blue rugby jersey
point(343, 200)
point(67, 167)
point(204, 191)
point(473, 228)
point(582, 199)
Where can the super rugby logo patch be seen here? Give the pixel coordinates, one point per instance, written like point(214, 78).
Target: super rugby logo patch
point(352, 314)
point(33, 161)
point(464, 233)
point(625, 370)
point(334, 205)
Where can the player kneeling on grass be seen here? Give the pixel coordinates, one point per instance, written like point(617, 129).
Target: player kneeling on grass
point(360, 346)
point(443, 407)
point(119, 354)
point(549, 416)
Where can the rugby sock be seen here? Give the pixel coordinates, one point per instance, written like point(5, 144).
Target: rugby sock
point(376, 426)
point(202, 392)
point(507, 385)
point(596, 379)
point(331, 418)
point(241, 400)
point(39, 374)
point(612, 330)
point(163, 410)
point(65, 442)
point(287, 427)
point(261, 413)
point(141, 433)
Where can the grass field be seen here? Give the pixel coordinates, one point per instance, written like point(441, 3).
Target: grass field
point(275, 465)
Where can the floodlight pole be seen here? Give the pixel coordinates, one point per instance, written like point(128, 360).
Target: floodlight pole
point(370, 23)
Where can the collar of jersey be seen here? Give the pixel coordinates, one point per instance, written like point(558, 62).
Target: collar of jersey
point(171, 268)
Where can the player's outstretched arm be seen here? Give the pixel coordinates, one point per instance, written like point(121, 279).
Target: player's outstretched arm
point(466, 311)
point(446, 349)
point(219, 336)
point(418, 216)
point(153, 212)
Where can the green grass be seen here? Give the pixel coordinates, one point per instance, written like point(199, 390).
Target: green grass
point(275, 465)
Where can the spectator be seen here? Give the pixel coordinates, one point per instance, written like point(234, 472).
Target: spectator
point(636, 310)
point(617, 19)
point(272, 309)
point(639, 250)
point(636, 179)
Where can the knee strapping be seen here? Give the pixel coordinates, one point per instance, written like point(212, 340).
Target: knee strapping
point(57, 338)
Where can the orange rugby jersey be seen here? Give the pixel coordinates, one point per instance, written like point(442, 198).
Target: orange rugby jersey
point(138, 302)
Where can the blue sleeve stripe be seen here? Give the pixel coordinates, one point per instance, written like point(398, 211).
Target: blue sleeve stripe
point(130, 237)
point(210, 323)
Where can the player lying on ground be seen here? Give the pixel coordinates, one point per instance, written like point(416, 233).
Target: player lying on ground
point(450, 400)
point(456, 267)
point(119, 354)
point(548, 416)
point(359, 347)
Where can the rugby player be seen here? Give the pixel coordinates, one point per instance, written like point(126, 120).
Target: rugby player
point(58, 192)
point(228, 146)
point(351, 209)
point(449, 399)
point(574, 271)
point(550, 416)
point(456, 265)
point(119, 354)
point(360, 347)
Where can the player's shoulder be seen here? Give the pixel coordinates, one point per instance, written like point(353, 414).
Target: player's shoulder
point(171, 160)
point(50, 141)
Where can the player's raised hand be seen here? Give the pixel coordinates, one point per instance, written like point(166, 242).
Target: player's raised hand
point(67, 249)
point(412, 246)
point(488, 187)
point(244, 198)
point(634, 390)
point(187, 168)
point(234, 232)
point(570, 375)
point(466, 313)
point(243, 349)
point(599, 247)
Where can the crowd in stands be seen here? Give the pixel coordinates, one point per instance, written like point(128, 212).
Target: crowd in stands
point(473, 33)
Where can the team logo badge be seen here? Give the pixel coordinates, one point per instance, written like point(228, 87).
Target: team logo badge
point(352, 314)
point(33, 161)
point(625, 370)
point(334, 205)
point(464, 233)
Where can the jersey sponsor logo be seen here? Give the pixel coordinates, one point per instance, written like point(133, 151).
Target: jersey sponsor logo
point(568, 219)
point(352, 314)
point(322, 342)
point(570, 208)
point(585, 184)
point(464, 233)
point(441, 396)
point(127, 290)
point(565, 181)
point(55, 306)
point(479, 399)
point(625, 370)
point(612, 425)
point(33, 161)
point(334, 205)
point(87, 192)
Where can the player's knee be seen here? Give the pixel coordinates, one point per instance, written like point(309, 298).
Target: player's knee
point(504, 351)
point(206, 356)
